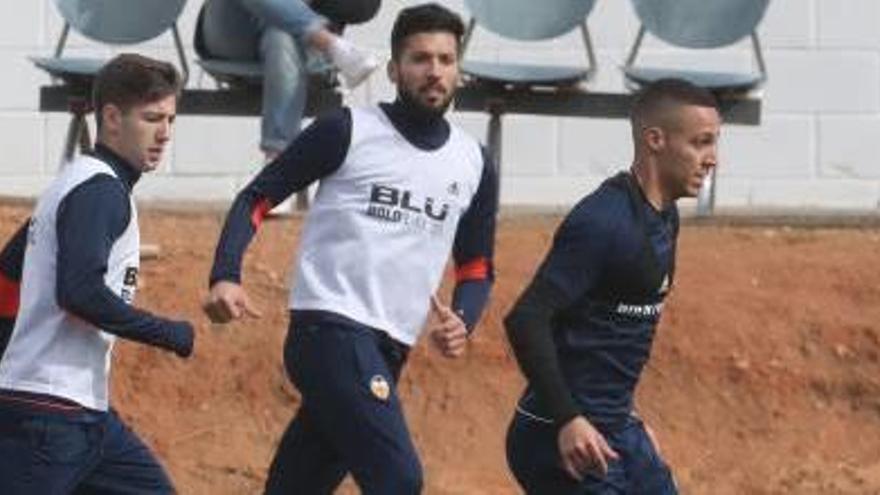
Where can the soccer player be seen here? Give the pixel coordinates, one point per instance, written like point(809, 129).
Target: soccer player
point(59, 434)
point(582, 330)
point(399, 188)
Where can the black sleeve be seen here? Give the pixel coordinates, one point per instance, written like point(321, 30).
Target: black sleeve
point(316, 153)
point(12, 255)
point(571, 268)
point(474, 248)
point(90, 219)
point(11, 264)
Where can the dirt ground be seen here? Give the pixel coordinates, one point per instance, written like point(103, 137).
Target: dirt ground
point(765, 376)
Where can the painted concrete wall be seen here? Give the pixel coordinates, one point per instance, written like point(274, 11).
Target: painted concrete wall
point(815, 148)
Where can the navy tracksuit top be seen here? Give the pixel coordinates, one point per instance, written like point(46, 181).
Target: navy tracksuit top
point(612, 260)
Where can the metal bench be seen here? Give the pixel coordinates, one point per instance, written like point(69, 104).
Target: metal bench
point(501, 88)
point(125, 22)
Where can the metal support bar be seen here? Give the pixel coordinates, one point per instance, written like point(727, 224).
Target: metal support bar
point(576, 103)
point(706, 198)
point(181, 55)
point(466, 39)
point(493, 143)
point(71, 139)
point(78, 136)
point(231, 102)
point(591, 55)
point(85, 136)
point(634, 51)
point(759, 56)
point(62, 40)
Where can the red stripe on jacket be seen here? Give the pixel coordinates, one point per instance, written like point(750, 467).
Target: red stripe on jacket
point(261, 209)
point(9, 293)
point(476, 269)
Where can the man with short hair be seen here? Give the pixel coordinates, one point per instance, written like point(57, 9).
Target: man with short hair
point(399, 188)
point(582, 331)
point(59, 434)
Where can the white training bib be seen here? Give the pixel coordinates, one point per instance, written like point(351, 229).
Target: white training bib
point(52, 351)
point(377, 239)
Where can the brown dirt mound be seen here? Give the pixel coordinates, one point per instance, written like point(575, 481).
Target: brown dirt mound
point(765, 376)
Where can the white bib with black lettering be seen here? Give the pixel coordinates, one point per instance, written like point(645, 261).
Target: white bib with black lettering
point(379, 234)
point(52, 351)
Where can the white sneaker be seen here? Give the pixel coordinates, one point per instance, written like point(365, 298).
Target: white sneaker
point(354, 64)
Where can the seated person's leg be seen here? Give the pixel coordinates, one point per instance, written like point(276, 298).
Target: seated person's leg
point(305, 25)
point(285, 85)
point(293, 16)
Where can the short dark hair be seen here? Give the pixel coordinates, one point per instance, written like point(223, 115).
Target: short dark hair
point(653, 103)
point(130, 79)
point(425, 18)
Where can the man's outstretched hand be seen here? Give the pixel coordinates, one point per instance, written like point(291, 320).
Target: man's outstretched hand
point(228, 301)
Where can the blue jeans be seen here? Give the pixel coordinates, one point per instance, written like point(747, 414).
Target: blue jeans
point(533, 457)
point(274, 32)
point(45, 452)
point(345, 423)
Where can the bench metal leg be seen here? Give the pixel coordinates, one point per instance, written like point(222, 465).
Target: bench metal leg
point(706, 198)
point(73, 138)
point(493, 143)
point(78, 136)
point(85, 137)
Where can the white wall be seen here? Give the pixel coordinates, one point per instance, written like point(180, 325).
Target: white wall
point(815, 148)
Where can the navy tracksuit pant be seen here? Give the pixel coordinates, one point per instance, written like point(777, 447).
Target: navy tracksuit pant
point(82, 452)
point(350, 419)
point(533, 456)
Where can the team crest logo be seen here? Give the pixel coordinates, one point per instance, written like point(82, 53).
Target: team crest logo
point(379, 387)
